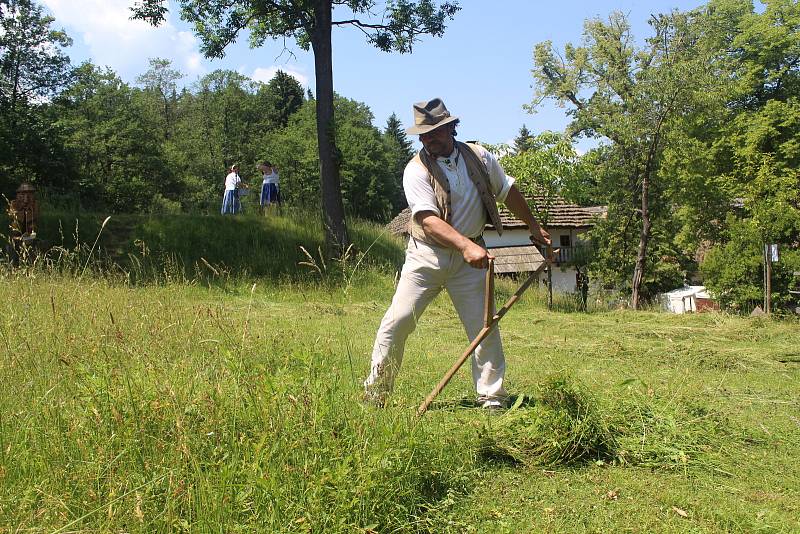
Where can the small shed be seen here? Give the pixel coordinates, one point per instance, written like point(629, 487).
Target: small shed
point(688, 299)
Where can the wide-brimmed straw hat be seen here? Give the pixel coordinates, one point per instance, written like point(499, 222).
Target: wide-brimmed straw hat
point(429, 115)
point(26, 187)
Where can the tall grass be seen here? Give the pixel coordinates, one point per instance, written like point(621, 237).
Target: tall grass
point(147, 417)
point(145, 249)
point(151, 396)
point(123, 412)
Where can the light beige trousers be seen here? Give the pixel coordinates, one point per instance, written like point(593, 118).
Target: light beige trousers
point(427, 270)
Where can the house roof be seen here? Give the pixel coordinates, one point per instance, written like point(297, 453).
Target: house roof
point(526, 258)
point(561, 214)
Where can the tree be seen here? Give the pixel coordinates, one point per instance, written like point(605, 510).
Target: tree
point(400, 152)
point(32, 64)
point(547, 170)
point(33, 68)
point(631, 98)
point(280, 98)
point(309, 22)
point(764, 132)
point(220, 123)
point(523, 140)
point(368, 182)
point(161, 80)
point(394, 131)
point(119, 164)
point(745, 152)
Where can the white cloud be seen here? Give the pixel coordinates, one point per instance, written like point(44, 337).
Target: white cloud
point(265, 74)
point(111, 38)
point(194, 64)
point(105, 34)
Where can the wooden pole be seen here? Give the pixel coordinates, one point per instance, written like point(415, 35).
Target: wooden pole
point(489, 325)
point(548, 253)
point(488, 295)
point(764, 277)
point(768, 271)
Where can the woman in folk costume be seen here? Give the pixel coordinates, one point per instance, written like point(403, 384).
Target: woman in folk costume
point(270, 190)
point(230, 200)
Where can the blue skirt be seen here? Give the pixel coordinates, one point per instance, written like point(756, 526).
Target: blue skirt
point(270, 194)
point(230, 202)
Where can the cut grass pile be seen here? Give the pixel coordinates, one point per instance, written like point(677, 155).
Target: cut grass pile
point(565, 425)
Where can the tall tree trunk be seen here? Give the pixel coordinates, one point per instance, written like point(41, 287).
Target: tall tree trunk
point(644, 238)
point(336, 238)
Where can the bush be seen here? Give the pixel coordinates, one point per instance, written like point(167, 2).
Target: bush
point(734, 272)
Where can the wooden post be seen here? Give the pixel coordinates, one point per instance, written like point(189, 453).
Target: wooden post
point(549, 260)
point(488, 295)
point(768, 278)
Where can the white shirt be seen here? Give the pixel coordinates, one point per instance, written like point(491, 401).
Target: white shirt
point(271, 178)
point(232, 181)
point(469, 215)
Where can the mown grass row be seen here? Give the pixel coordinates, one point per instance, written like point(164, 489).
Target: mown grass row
point(566, 425)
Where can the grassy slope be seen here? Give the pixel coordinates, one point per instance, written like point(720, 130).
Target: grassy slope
point(185, 408)
point(252, 246)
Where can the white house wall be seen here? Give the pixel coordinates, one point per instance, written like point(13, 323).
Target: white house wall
point(563, 280)
point(563, 277)
point(510, 238)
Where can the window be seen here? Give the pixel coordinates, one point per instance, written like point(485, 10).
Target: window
point(564, 241)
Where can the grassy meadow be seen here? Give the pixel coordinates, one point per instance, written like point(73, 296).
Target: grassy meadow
point(202, 374)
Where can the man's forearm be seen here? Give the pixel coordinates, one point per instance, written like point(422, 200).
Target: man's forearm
point(437, 229)
point(517, 205)
point(441, 232)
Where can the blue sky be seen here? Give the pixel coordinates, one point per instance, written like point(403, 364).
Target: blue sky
point(480, 67)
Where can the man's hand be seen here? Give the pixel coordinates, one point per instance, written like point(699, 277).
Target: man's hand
point(540, 236)
point(444, 234)
point(476, 255)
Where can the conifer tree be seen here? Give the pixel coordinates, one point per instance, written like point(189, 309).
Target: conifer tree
point(400, 151)
point(523, 140)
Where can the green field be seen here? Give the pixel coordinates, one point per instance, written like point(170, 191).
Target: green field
point(185, 403)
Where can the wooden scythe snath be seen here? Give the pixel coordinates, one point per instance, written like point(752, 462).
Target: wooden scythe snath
point(489, 322)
